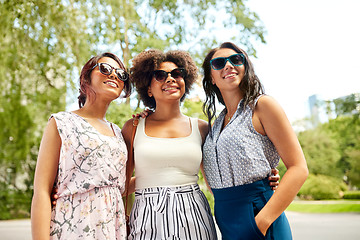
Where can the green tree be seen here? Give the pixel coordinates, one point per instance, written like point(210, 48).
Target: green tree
point(347, 105)
point(317, 187)
point(353, 173)
point(321, 152)
point(35, 66)
point(193, 107)
point(346, 131)
point(119, 113)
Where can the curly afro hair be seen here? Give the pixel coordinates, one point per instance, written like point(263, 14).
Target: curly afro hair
point(147, 61)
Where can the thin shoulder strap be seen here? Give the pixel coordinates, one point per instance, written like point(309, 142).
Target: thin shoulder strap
point(130, 162)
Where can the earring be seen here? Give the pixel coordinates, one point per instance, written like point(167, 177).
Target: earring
point(150, 94)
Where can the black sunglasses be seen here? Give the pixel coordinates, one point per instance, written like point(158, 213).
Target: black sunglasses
point(161, 75)
point(107, 69)
point(220, 62)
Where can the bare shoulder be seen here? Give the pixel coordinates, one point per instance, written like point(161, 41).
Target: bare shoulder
point(51, 128)
point(266, 101)
point(272, 117)
point(203, 128)
point(267, 106)
point(127, 128)
point(203, 125)
point(51, 122)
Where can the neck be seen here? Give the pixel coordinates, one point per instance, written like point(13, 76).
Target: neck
point(232, 100)
point(166, 111)
point(94, 109)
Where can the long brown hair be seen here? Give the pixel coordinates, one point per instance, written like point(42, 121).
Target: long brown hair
point(250, 85)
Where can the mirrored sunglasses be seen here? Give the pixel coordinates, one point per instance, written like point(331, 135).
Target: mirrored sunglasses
point(220, 62)
point(161, 75)
point(107, 69)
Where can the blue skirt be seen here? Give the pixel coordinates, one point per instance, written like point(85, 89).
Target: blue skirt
point(236, 208)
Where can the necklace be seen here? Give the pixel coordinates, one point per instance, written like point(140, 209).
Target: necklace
point(229, 116)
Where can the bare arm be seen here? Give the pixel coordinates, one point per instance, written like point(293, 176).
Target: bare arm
point(127, 134)
point(278, 129)
point(204, 130)
point(45, 173)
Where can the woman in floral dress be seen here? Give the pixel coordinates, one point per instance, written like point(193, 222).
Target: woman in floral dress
point(85, 156)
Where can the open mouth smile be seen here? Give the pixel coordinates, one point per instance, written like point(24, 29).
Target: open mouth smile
point(170, 89)
point(230, 75)
point(112, 83)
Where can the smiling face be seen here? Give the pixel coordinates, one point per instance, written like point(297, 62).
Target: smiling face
point(229, 77)
point(108, 86)
point(170, 89)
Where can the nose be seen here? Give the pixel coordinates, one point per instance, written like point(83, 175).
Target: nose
point(170, 78)
point(228, 65)
point(113, 74)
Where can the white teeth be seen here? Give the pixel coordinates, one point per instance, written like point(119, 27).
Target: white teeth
point(230, 75)
point(111, 84)
point(166, 89)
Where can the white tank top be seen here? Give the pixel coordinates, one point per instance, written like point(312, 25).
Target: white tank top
point(167, 162)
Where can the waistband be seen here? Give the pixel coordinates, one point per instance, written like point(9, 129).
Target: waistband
point(159, 190)
point(242, 191)
point(165, 195)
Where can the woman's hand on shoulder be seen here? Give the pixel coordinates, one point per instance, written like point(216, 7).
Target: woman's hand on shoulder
point(143, 114)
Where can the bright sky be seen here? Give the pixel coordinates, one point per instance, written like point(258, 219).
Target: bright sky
point(313, 47)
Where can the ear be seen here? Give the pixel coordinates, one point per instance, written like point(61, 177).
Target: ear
point(212, 81)
point(149, 92)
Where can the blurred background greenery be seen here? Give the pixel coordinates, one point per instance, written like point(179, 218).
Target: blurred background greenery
point(44, 44)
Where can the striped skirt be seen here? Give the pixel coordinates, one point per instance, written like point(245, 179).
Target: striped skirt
point(171, 213)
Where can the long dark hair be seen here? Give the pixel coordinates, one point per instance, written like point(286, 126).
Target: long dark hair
point(250, 85)
point(85, 80)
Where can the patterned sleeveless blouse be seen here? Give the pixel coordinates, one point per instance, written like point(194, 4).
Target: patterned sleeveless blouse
point(237, 154)
point(90, 180)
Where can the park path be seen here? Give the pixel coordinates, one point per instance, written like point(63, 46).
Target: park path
point(329, 226)
point(309, 226)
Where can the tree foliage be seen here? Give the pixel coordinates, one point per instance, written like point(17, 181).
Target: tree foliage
point(347, 105)
point(321, 152)
point(35, 66)
point(193, 108)
point(333, 149)
point(319, 187)
point(346, 131)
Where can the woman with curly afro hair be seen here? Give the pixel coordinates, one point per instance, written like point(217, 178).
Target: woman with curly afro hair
point(167, 152)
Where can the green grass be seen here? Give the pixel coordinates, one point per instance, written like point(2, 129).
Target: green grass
point(324, 206)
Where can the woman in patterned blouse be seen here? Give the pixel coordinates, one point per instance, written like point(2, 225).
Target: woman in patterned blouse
point(246, 140)
point(85, 155)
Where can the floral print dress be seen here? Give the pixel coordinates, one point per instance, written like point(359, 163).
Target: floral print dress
point(90, 180)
